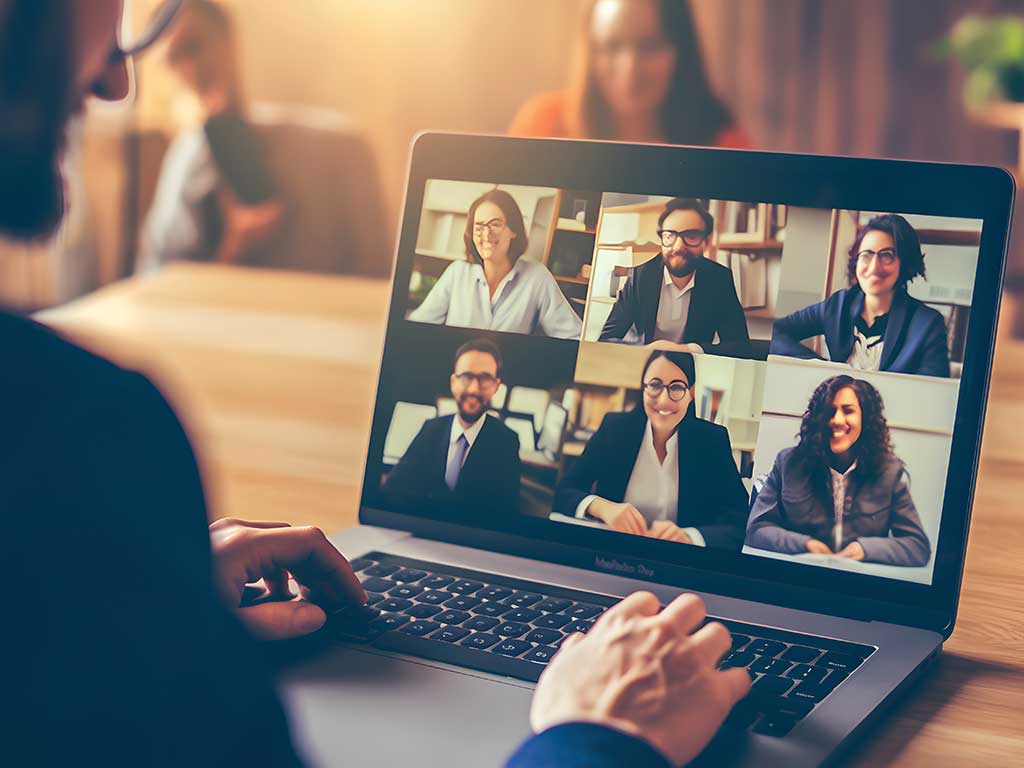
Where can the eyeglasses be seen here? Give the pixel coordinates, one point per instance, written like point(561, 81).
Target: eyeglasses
point(887, 256)
point(132, 46)
point(494, 226)
point(692, 237)
point(484, 380)
point(676, 389)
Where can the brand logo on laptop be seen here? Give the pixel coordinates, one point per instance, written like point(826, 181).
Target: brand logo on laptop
point(615, 565)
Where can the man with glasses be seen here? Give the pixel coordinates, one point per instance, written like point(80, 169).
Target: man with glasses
point(466, 462)
point(680, 301)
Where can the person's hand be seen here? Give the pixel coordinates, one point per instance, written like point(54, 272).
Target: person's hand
point(666, 529)
point(246, 226)
point(618, 517)
point(246, 552)
point(644, 673)
point(818, 547)
point(853, 550)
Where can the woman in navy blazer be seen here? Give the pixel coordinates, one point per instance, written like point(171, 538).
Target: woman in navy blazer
point(659, 470)
point(874, 325)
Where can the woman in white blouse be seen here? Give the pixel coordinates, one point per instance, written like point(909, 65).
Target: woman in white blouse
point(494, 288)
point(659, 470)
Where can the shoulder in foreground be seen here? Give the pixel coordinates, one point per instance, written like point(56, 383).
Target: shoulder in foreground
point(542, 115)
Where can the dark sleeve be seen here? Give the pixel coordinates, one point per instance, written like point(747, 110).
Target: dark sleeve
point(908, 544)
point(789, 331)
point(511, 477)
point(586, 745)
point(406, 480)
point(125, 654)
point(621, 318)
point(579, 481)
point(730, 497)
point(240, 158)
point(766, 529)
point(733, 336)
point(936, 351)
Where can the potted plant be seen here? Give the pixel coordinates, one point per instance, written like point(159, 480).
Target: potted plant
point(991, 51)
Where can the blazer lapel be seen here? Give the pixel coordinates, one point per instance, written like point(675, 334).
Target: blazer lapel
point(895, 330)
point(842, 336)
point(443, 442)
point(621, 468)
point(649, 295)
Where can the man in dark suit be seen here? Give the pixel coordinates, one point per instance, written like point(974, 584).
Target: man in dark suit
point(126, 639)
point(680, 300)
point(465, 463)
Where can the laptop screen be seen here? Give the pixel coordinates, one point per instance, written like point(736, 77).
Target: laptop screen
point(752, 378)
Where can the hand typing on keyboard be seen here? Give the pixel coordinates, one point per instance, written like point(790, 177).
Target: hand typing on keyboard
point(246, 552)
point(647, 673)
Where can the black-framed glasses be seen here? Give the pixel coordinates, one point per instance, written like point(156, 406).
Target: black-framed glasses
point(887, 256)
point(133, 45)
point(676, 389)
point(494, 226)
point(691, 237)
point(484, 380)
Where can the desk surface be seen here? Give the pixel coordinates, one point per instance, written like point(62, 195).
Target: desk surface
point(274, 374)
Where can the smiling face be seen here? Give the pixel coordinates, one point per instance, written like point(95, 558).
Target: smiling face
point(473, 384)
point(663, 412)
point(875, 277)
point(845, 424)
point(680, 258)
point(491, 234)
point(632, 61)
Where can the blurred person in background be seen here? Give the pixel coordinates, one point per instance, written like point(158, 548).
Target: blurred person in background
point(216, 199)
point(639, 77)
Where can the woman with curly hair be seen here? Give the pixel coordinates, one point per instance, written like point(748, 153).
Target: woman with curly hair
point(874, 325)
point(841, 490)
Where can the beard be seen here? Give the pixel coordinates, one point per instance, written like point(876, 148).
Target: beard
point(468, 401)
point(686, 268)
point(32, 205)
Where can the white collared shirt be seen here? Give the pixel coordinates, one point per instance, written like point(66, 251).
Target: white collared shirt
point(471, 432)
point(528, 299)
point(839, 482)
point(673, 308)
point(653, 486)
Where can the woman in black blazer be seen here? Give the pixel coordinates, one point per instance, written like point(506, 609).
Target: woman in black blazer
point(874, 325)
point(660, 470)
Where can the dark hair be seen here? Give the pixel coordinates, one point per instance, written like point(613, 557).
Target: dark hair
point(36, 95)
point(905, 242)
point(688, 204)
point(480, 345)
point(691, 114)
point(681, 360)
point(513, 218)
point(872, 448)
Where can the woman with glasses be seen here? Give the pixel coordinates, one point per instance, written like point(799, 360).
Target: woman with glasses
point(640, 77)
point(659, 470)
point(494, 288)
point(874, 325)
point(841, 491)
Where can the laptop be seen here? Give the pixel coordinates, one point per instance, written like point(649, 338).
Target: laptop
point(475, 581)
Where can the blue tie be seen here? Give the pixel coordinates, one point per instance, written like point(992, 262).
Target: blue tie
point(455, 459)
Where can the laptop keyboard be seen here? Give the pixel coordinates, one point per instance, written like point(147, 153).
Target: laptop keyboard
point(512, 627)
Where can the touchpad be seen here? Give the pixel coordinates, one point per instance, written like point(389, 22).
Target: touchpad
point(352, 707)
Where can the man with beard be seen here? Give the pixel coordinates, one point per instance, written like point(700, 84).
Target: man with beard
point(680, 301)
point(465, 463)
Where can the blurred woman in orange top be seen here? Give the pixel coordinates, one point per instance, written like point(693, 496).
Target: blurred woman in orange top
point(639, 77)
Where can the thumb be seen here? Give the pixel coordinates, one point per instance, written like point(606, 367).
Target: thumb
point(281, 620)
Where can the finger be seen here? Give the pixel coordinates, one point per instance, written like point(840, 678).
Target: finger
point(637, 604)
point(685, 613)
point(263, 524)
point(638, 520)
point(277, 583)
point(314, 562)
point(711, 642)
point(736, 682)
point(282, 620)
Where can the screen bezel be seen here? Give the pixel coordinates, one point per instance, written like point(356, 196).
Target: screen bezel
point(796, 180)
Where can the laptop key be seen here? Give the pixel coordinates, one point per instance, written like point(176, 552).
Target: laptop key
point(452, 617)
point(408, 575)
point(389, 621)
point(463, 603)
point(423, 611)
point(769, 666)
point(766, 647)
point(523, 599)
point(552, 605)
point(433, 597)
point(808, 691)
point(450, 634)
point(541, 654)
point(494, 593)
point(394, 605)
point(374, 584)
point(521, 614)
point(738, 659)
point(801, 654)
point(784, 705)
point(420, 628)
point(481, 623)
point(490, 609)
point(437, 581)
point(552, 621)
point(460, 654)
point(774, 725)
point(481, 640)
point(361, 563)
point(406, 590)
point(742, 716)
point(807, 673)
point(382, 570)
point(841, 661)
point(770, 685)
point(578, 626)
point(510, 647)
point(373, 597)
point(738, 641)
point(512, 629)
point(544, 636)
point(584, 611)
point(465, 586)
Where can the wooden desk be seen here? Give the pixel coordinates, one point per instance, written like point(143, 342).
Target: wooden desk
point(274, 375)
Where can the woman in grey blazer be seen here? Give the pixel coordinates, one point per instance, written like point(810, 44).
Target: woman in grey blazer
point(841, 490)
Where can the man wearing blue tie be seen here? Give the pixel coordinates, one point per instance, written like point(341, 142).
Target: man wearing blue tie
point(465, 464)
